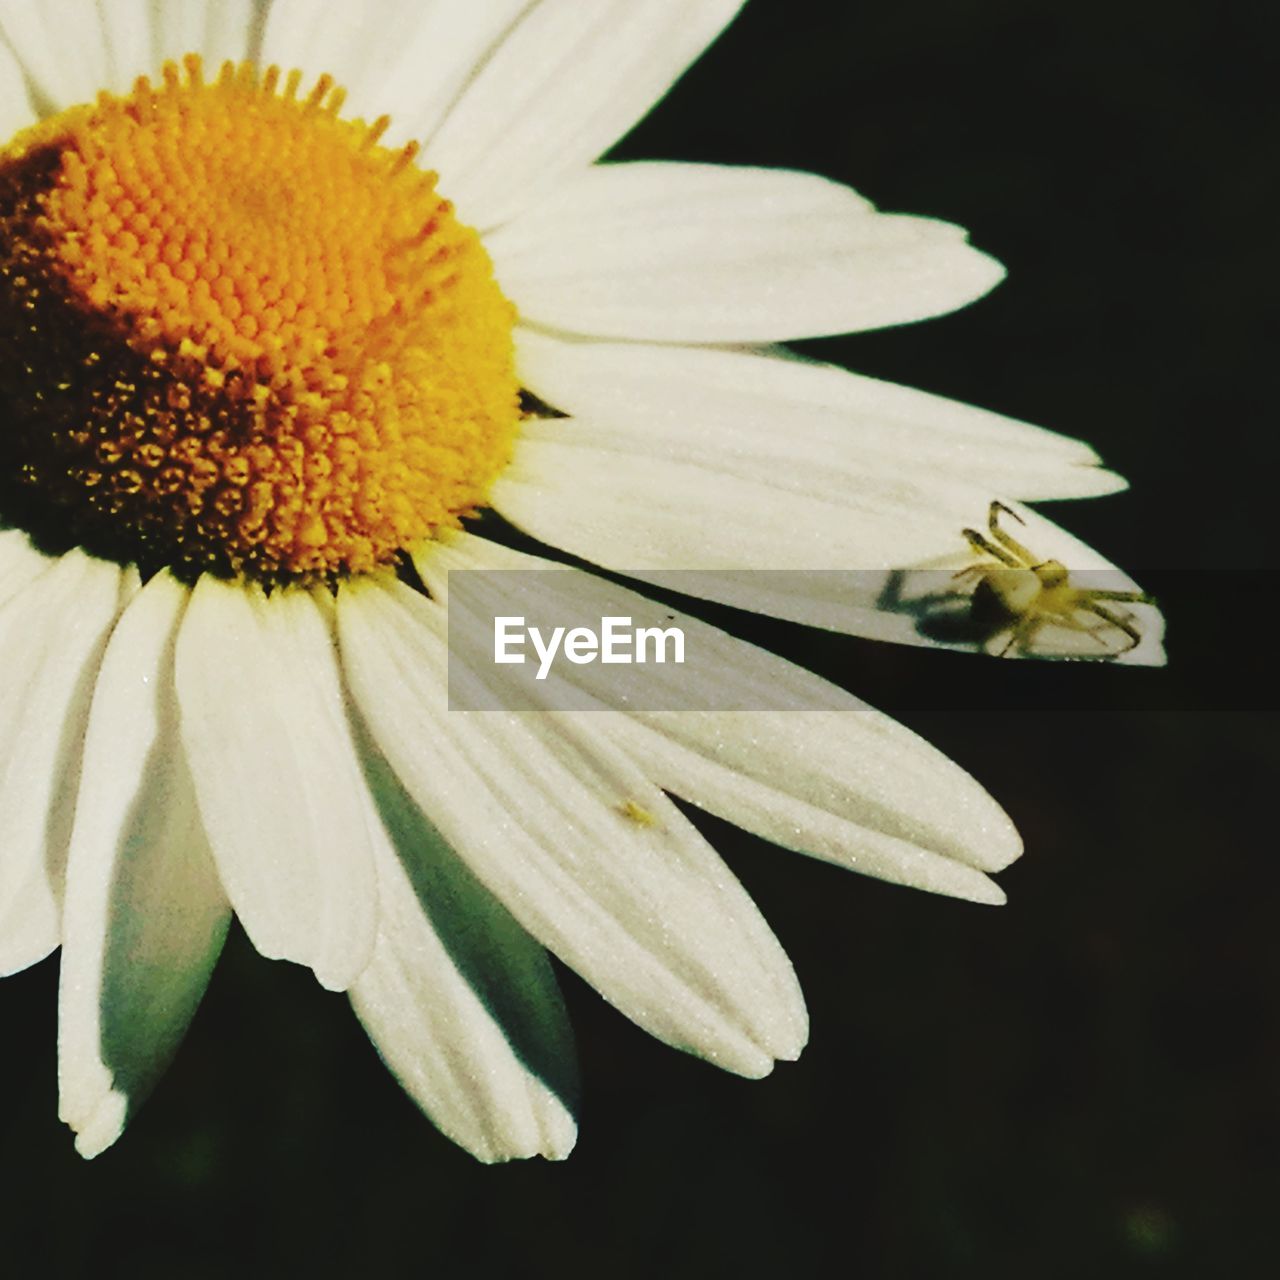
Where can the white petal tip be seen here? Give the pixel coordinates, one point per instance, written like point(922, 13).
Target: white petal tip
point(103, 1125)
point(550, 1134)
point(970, 275)
point(1085, 478)
point(21, 954)
point(987, 272)
point(330, 975)
point(758, 1061)
point(1003, 848)
point(783, 1039)
point(560, 1136)
point(988, 894)
point(487, 1155)
point(1150, 656)
point(792, 1052)
point(337, 980)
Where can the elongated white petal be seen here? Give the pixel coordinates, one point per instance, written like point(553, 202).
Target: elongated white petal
point(51, 638)
point(129, 40)
point(63, 69)
point(16, 111)
point(145, 915)
point(218, 30)
point(764, 772)
point(406, 58)
point(460, 1001)
point(537, 807)
point(179, 25)
point(797, 760)
point(276, 774)
point(632, 512)
point(709, 253)
point(140, 36)
point(812, 427)
point(1049, 541)
point(924, 605)
point(567, 82)
point(357, 44)
point(438, 54)
point(20, 563)
point(844, 556)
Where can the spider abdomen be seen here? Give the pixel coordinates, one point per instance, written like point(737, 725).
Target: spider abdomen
point(1003, 595)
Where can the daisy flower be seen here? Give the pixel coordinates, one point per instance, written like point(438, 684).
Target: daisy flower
point(272, 337)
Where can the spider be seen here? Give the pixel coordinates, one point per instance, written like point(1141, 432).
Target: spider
point(1022, 593)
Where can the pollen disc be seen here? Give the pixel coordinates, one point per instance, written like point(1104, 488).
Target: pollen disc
point(240, 335)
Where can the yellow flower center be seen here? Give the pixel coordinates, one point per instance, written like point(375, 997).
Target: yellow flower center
point(240, 335)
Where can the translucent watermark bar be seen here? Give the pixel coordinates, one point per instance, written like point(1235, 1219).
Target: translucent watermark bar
point(566, 639)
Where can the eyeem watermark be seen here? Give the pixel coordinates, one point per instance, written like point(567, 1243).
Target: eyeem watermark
point(617, 641)
point(564, 639)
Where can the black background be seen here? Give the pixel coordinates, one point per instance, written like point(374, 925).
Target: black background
point(1082, 1082)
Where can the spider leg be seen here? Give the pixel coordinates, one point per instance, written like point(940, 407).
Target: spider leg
point(1133, 597)
point(984, 545)
point(1025, 558)
point(971, 571)
point(998, 508)
point(1120, 624)
point(1022, 635)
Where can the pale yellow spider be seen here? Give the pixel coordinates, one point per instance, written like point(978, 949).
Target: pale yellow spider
point(1022, 593)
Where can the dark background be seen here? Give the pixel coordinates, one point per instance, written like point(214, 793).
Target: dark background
point(1082, 1082)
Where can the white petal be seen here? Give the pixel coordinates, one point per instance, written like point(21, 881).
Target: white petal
point(795, 760)
point(20, 563)
point(564, 86)
point(276, 774)
point(841, 558)
point(180, 25)
point(408, 58)
point(813, 427)
point(920, 605)
point(355, 43)
point(51, 637)
point(16, 111)
point(632, 512)
point(536, 806)
point(709, 253)
point(779, 775)
point(1088, 569)
point(218, 30)
point(460, 1001)
point(141, 35)
point(129, 41)
point(145, 915)
point(60, 46)
point(440, 53)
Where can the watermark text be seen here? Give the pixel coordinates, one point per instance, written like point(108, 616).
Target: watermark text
point(616, 641)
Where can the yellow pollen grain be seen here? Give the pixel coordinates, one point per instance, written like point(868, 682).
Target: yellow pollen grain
point(312, 364)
